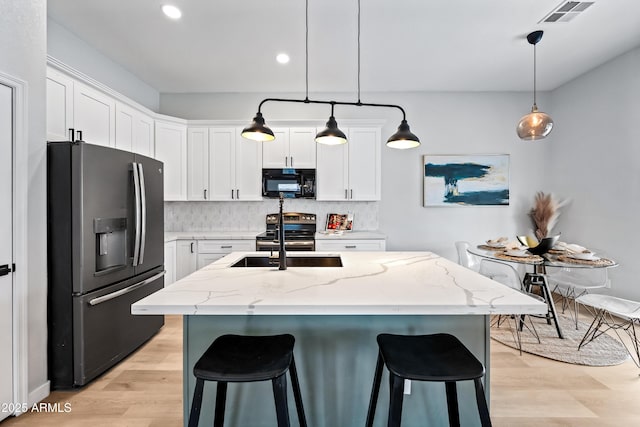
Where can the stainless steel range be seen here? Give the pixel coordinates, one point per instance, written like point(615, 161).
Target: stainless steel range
point(299, 230)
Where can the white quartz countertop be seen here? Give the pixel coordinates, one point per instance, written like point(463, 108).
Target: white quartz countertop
point(170, 236)
point(368, 283)
point(349, 235)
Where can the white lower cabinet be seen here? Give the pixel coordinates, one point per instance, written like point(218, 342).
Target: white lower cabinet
point(212, 250)
point(351, 245)
point(186, 258)
point(169, 263)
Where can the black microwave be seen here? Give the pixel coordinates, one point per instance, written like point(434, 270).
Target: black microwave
point(293, 183)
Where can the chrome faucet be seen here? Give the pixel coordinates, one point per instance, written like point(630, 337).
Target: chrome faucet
point(282, 255)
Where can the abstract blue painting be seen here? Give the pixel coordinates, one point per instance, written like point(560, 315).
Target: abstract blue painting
point(466, 180)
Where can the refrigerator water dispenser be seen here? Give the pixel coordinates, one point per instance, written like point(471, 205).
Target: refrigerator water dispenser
point(111, 244)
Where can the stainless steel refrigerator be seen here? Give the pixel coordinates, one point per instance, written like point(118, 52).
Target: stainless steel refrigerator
point(105, 251)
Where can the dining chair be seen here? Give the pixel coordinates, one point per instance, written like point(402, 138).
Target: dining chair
point(508, 275)
point(571, 283)
point(465, 258)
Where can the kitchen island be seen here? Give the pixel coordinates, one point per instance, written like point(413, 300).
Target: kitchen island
point(335, 314)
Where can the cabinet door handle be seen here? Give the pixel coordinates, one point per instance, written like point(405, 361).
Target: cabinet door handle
point(286, 160)
point(350, 246)
point(346, 194)
point(291, 161)
point(226, 246)
point(192, 247)
point(232, 193)
point(237, 194)
point(351, 194)
point(205, 194)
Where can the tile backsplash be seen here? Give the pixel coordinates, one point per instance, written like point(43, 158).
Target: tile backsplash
point(240, 216)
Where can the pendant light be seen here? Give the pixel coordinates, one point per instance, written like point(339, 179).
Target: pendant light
point(331, 135)
point(537, 124)
point(258, 131)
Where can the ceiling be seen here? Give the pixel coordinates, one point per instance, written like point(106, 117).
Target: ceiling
point(405, 45)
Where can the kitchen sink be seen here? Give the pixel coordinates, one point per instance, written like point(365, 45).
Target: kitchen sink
point(292, 261)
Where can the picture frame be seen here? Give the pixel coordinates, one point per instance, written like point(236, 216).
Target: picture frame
point(466, 180)
point(339, 222)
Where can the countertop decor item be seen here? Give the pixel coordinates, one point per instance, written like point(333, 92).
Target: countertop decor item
point(535, 125)
point(332, 135)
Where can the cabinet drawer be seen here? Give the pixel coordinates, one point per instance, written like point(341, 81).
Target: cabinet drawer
point(225, 246)
point(350, 245)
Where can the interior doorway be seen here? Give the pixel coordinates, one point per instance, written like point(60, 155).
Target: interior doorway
point(7, 385)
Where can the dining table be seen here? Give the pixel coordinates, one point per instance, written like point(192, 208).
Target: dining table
point(537, 278)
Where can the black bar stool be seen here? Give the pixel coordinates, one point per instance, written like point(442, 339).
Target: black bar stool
point(437, 357)
point(241, 358)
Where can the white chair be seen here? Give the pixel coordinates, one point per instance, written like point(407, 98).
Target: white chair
point(465, 258)
point(571, 283)
point(507, 275)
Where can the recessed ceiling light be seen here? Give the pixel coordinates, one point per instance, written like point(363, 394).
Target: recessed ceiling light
point(282, 58)
point(171, 11)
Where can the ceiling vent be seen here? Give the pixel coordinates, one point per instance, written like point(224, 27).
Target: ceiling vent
point(567, 11)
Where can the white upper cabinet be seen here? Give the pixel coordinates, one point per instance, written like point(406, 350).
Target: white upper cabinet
point(171, 148)
point(223, 166)
point(247, 159)
point(72, 104)
point(59, 105)
point(350, 171)
point(94, 114)
point(198, 164)
point(143, 135)
point(134, 130)
point(302, 148)
point(292, 148)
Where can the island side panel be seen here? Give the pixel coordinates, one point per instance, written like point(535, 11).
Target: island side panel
point(335, 357)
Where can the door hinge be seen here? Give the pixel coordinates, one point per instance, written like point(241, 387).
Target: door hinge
point(5, 269)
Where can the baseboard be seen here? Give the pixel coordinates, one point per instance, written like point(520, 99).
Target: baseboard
point(39, 393)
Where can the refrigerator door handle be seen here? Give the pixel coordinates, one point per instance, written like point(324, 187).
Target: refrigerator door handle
point(136, 191)
point(143, 210)
point(116, 294)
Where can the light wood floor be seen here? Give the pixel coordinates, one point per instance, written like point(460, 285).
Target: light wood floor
point(146, 391)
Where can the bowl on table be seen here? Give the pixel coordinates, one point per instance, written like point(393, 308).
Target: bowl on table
point(586, 255)
point(543, 245)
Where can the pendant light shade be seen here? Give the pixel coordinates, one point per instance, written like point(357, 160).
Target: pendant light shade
point(257, 130)
point(403, 138)
point(331, 135)
point(535, 125)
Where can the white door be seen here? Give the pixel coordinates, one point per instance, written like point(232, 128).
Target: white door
point(125, 117)
point(6, 245)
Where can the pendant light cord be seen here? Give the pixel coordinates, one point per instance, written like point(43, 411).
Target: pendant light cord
point(306, 47)
point(358, 51)
point(534, 75)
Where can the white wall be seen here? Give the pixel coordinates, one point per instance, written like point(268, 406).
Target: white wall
point(446, 123)
point(23, 56)
point(594, 162)
point(68, 48)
